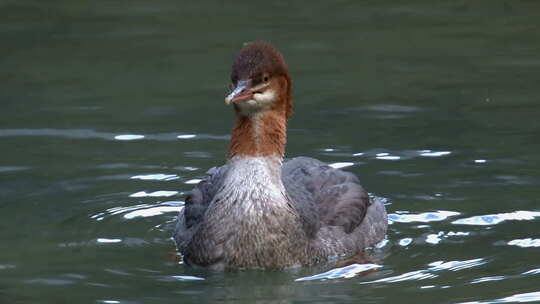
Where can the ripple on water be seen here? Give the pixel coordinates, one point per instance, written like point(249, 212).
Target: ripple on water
point(128, 241)
point(430, 273)
point(532, 271)
point(405, 241)
point(432, 238)
point(516, 298)
point(7, 266)
point(417, 275)
point(90, 133)
point(4, 169)
point(193, 181)
point(128, 137)
point(525, 243)
point(493, 219)
point(384, 154)
point(156, 176)
point(161, 193)
point(341, 273)
point(108, 241)
point(142, 210)
point(50, 282)
point(487, 279)
point(181, 278)
point(426, 217)
point(340, 165)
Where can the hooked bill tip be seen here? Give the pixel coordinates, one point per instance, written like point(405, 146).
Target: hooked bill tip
point(239, 93)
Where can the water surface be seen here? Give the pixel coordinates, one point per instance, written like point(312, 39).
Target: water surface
point(112, 111)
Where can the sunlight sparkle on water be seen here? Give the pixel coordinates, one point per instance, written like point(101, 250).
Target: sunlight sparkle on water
point(341, 165)
point(493, 219)
point(405, 241)
point(429, 153)
point(187, 278)
point(387, 156)
point(153, 211)
point(193, 181)
point(142, 210)
point(487, 279)
point(425, 274)
point(517, 298)
point(341, 273)
point(186, 136)
point(408, 276)
point(403, 217)
point(456, 265)
point(434, 238)
point(525, 243)
point(158, 176)
point(108, 241)
point(532, 271)
point(161, 193)
point(128, 137)
point(381, 244)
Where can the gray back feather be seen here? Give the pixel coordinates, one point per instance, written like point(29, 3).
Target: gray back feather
point(336, 195)
point(321, 195)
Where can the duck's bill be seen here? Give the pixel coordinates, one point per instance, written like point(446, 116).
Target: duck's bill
point(242, 92)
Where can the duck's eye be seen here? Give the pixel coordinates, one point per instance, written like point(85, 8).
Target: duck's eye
point(266, 78)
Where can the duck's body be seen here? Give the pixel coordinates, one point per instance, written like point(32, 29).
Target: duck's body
point(260, 212)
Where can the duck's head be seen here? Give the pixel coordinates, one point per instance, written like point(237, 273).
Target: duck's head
point(260, 81)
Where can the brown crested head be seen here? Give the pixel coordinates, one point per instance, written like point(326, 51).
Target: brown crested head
point(260, 80)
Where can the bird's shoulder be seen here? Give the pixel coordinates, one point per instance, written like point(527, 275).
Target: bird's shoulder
point(336, 196)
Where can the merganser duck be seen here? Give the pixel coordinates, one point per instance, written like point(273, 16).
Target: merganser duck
point(259, 211)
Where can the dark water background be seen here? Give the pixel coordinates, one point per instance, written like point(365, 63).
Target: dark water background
point(434, 104)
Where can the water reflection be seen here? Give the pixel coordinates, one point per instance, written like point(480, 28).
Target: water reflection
point(160, 193)
point(430, 273)
point(141, 210)
point(487, 279)
point(342, 273)
point(128, 137)
point(108, 241)
point(493, 219)
point(90, 133)
point(516, 298)
point(440, 115)
point(157, 176)
point(184, 278)
point(425, 217)
point(525, 243)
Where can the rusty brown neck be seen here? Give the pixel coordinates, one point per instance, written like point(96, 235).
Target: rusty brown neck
point(259, 135)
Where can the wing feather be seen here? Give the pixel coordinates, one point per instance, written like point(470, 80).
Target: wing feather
point(336, 195)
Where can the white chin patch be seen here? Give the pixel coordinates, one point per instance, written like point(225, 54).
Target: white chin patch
point(259, 102)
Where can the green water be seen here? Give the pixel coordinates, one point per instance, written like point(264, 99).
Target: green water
point(435, 104)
